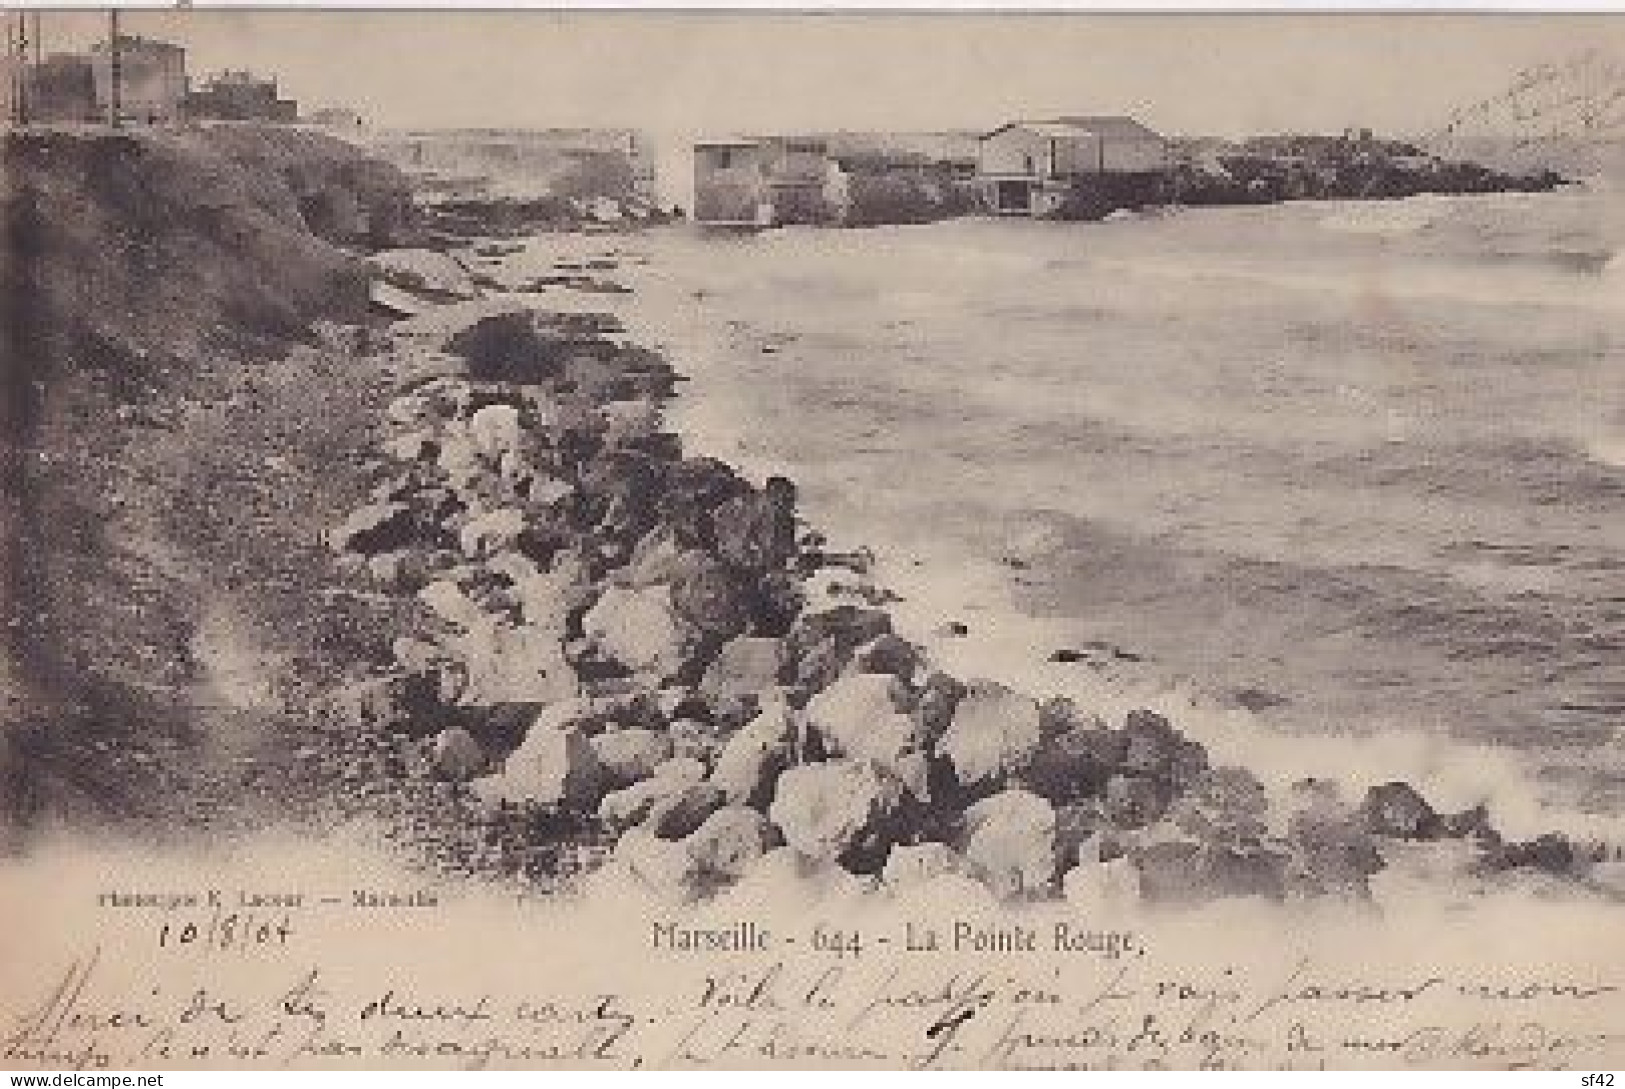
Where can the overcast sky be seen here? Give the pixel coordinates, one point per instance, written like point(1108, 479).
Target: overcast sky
point(688, 72)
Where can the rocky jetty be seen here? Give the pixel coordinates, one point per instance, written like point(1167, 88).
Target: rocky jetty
point(1351, 166)
point(619, 650)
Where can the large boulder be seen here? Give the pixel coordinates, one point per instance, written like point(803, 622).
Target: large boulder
point(1075, 764)
point(447, 600)
point(1009, 842)
point(1472, 824)
point(554, 765)
point(1135, 801)
point(680, 812)
point(757, 532)
point(939, 696)
point(889, 654)
point(1080, 831)
point(640, 628)
point(681, 769)
point(751, 760)
point(860, 716)
point(1225, 807)
point(711, 599)
point(618, 493)
point(458, 459)
point(994, 733)
point(699, 739)
point(628, 756)
point(728, 841)
point(824, 809)
point(546, 599)
point(1399, 811)
point(1332, 853)
point(495, 431)
point(631, 806)
point(822, 643)
point(455, 755)
point(1152, 746)
point(746, 666)
point(506, 663)
point(491, 531)
point(692, 489)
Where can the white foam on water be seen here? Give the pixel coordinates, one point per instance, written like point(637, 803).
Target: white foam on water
point(1007, 646)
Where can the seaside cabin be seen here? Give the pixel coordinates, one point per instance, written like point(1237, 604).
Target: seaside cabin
point(1071, 167)
point(760, 181)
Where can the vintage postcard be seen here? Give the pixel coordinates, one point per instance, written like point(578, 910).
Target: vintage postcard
point(659, 539)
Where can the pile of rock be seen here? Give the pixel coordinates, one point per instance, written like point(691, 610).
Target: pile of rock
point(612, 631)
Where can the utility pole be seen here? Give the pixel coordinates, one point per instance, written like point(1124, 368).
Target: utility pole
point(14, 74)
point(25, 78)
point(115, 71)
point(17, 58)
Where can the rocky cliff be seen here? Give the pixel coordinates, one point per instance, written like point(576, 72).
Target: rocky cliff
point(142, 271)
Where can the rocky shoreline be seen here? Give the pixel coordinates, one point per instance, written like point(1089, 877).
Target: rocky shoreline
point(600, 646)
point(624, 652)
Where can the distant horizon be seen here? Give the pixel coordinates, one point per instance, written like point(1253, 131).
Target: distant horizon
point(673, 74)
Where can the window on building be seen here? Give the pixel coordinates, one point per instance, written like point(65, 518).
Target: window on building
point(723, 158)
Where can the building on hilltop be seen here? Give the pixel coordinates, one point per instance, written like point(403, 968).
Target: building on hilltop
point(151, 80)
point(1071, 167)
point(60, 88)
point(240, 96)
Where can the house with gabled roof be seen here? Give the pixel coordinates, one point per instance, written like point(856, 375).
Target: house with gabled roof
point(1075, 166)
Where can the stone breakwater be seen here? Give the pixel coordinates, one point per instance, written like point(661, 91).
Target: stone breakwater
point(613, 648)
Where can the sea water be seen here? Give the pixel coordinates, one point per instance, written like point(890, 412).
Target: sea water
point(1340, 484)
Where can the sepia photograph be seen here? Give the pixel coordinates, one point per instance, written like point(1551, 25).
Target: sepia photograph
point(656, 539)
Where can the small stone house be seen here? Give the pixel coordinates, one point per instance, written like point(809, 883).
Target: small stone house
point(761, 181)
